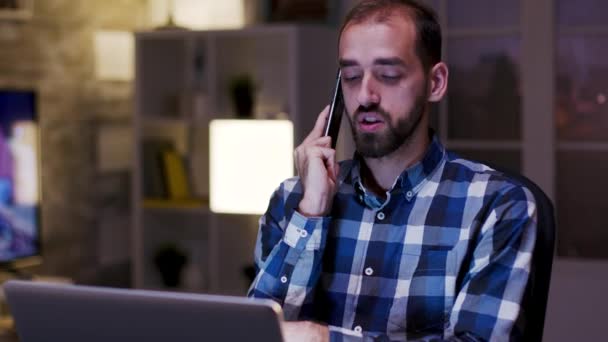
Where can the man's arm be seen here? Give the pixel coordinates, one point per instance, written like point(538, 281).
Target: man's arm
point(293, 231)
point(488, 304)
point(288, 252)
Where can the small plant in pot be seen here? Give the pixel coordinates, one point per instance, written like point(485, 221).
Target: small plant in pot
point(170, 261)
point(242, 93)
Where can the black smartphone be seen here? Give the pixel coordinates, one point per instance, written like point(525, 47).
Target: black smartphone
point(332, 127)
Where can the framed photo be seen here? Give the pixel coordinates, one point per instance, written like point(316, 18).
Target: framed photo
point(16, 9)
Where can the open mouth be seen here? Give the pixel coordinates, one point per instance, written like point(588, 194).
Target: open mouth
point(370, 122)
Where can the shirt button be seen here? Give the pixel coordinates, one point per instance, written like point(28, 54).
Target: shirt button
point(380, 216)
point(283, 279)
point(369, 271)
point(303, 233)
point(358, 329)
point(409, 194)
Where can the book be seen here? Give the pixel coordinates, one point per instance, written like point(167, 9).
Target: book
point(176, 178)
point(153, 176)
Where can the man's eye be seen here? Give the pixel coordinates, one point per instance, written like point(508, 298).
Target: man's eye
point(350, 78)
point(390, 77)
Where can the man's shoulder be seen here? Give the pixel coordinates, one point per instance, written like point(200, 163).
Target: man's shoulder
point(493, 178)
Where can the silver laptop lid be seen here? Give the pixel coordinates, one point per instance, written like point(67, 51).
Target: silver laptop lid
point(59, 312)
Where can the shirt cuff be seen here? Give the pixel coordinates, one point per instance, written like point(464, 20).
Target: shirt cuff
point(305, 232)
point(339, 334)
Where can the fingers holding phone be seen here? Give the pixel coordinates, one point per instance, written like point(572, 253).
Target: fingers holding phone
point(318, 170)
point(316, 158)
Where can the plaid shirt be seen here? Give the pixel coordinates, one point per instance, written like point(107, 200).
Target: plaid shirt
point(446, 256)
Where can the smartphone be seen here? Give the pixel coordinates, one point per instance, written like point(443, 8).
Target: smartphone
point(332, 127)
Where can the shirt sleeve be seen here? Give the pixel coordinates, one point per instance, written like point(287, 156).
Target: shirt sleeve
point(487, 305)
point(339, 334)
point(288, 252)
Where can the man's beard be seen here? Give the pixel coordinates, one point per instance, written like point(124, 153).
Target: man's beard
point(384, 142)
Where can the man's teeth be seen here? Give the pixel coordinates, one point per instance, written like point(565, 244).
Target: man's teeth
point(370, 120)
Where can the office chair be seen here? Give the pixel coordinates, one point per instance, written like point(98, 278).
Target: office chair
point(537, 291)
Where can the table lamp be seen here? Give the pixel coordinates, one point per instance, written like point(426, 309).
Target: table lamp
point(248, 160)
point(114, 55)
point(198, 14)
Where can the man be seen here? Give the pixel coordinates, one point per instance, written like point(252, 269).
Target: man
point(406, 241)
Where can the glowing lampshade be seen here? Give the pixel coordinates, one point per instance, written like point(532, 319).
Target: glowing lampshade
point(199, 14)
point(114, 55)
point(247, 162)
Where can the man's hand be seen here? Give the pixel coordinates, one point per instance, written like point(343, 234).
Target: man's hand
point(305, 331)
point(316, 164)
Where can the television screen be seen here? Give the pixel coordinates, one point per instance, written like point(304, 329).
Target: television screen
point(19, 177)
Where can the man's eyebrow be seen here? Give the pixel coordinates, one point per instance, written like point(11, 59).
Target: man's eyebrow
point(389, 61)
point(347, 62)
point(396, 61)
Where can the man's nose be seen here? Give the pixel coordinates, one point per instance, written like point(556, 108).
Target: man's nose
point(368, 93)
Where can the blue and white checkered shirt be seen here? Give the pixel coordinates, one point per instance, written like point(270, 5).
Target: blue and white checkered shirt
point(446, 256)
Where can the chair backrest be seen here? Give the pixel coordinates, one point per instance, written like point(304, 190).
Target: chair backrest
point(537, 291)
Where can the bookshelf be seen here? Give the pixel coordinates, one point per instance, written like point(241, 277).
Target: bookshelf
point(181, 83)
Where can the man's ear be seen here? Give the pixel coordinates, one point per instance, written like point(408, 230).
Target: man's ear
point(438, 77)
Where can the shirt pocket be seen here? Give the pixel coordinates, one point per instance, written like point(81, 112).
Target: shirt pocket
point(424, 292)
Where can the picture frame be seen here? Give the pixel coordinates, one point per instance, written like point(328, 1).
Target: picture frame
point(16, 9)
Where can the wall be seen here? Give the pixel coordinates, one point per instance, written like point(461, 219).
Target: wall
point(53, 53)
point(578, 305)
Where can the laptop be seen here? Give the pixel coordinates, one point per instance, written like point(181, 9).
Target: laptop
point(61, 312)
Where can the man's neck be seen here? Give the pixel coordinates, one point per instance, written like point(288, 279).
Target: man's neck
point(380, 174)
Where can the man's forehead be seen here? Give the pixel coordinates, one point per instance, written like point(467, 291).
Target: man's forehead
point(378, 40)
point(397, 17)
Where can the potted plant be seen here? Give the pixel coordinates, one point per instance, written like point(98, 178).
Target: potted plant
point(170, 261)
point(242, 92)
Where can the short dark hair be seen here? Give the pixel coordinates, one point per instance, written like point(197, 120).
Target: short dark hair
point(428, 30)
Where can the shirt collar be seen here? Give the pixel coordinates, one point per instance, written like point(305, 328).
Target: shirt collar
point(409, 182)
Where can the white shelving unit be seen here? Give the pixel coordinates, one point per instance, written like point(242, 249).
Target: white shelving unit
point(293, 67)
